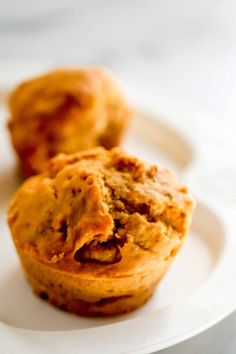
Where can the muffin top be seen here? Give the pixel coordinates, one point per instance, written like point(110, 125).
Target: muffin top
point(66, 110)
point(53, 91)
point(100, 211)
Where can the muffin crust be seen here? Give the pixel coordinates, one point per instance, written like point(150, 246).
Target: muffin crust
point(98, 229)
point(66, 110)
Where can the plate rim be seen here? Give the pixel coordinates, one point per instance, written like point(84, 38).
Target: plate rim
point(34, 334)
point(75, 336)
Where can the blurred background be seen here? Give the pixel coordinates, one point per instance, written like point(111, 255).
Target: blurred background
point(185, 49)
point(176, 55)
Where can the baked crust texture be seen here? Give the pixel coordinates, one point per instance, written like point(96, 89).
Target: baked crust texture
point(67, 111)
point(98, 229)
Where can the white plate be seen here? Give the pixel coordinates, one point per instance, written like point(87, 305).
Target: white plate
point(197, 292)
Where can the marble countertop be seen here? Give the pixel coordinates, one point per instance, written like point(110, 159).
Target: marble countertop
point(184, 50)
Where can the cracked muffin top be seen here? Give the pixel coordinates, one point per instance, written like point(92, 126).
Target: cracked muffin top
point(67, 111)
point(100, 212)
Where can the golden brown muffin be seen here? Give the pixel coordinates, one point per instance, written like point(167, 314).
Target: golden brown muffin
point(65, 111)
point(98, 229)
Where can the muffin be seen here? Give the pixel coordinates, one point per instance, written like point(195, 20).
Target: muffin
point(96, 231)
point(65, 111)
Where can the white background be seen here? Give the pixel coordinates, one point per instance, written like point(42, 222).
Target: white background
point(184, 50)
